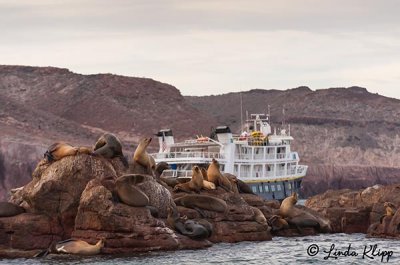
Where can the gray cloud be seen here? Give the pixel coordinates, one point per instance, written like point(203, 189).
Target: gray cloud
point(205, 47)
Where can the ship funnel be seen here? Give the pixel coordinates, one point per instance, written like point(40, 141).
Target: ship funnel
point(224, 134)
point(165, 140)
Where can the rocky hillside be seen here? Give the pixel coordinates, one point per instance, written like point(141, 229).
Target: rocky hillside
point(348, 136)
point(41, 105)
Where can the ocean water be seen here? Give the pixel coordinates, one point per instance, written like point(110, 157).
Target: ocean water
point(349, 249)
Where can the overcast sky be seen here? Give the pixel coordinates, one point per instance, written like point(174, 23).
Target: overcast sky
point(212, 47)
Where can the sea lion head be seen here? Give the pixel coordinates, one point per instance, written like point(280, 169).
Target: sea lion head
point(295, 197)
point(146, 141)
point(196, 169)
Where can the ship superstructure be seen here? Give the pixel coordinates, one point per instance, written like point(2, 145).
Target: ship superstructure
point(261, 158)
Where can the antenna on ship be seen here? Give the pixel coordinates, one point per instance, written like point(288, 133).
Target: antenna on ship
point(241, 112)
point(269, 113)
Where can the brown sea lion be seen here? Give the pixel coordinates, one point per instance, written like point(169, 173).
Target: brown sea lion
point(277, 223)
point(79, 247)
point(208, 185)
point(109, 146)
point(160, 167)
point(390, 210)
point(258, 215)
point(142, 158)
point(128, 193)
point(205, 202)
point(240, 184)
point(8, 209)
point(195, 184)
point(204, 173)
point(214, 175)
point(299, 217)
point(59, 150)
point(233, 181)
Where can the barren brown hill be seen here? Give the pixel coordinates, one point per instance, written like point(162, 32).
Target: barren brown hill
point(349, 137)
point(41, 105)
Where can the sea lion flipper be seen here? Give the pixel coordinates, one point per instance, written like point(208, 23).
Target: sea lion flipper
point(43, 253)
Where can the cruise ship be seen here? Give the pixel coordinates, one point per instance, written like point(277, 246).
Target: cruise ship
point(261, 158)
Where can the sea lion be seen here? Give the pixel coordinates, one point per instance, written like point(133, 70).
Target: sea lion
point(277, 223)
point(208, 185)
point(258, 215)
point(160, 167)
point(79, 247)
point(214, 175)
point(240, 184)
point(59, 150)
point(109, 146)
point(190, 228)
point(128, 193)
point(195, 184)
point(195, 230)
point(143, 158)
point(8, 209)
point(205, 202)
point(299, 217)
point(233, 181)
point(390, 210)
point(204, 173)
point(175, 221)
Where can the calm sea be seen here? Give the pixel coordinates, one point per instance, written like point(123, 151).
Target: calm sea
point(349, 249)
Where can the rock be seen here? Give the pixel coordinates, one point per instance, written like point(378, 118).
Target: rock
point(60, 186)
point(359, 211)
point(126, 229)
point(29, 232)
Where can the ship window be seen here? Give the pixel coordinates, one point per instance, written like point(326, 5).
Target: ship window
point(260, 188)
point(254, 189)
point(266, 188)
point(278, 187)
point(289, 186)
point(272, 188)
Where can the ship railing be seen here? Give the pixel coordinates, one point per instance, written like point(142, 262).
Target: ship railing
point(170, 173)
point(260, 156)
point(208, 155)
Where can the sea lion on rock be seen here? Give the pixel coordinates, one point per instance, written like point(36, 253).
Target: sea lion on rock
point(8, 209)
point(59, 150)
point(207, 185)
point(195, 184)
point(390, 210)
point(258, 215)
point(127, 191)
point(240, 184)
point(204, 173)
point(160, 167)
point(109, 146)
point(142, 158)
point(193, 229)
point(214, 175)
point(79, 247)
point(277, 223)
point(205, 202)
point(299, 217)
